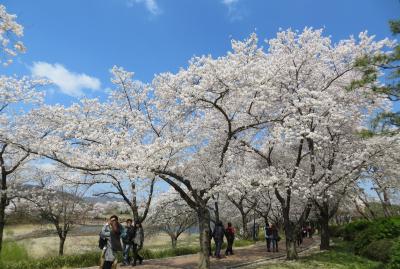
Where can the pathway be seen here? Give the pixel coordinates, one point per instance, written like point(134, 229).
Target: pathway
point(243, 256)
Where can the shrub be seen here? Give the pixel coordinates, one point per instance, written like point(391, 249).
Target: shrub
point(394, 261)
point(336, 231)
point(352, 229)
point(380, 229)
point(379, 250)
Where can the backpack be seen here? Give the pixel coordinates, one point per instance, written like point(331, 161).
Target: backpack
point(102, 242)
point(230, 233)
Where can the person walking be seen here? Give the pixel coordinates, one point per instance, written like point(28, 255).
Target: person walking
point(112, 232)
point(268, 236)
point(309, 231)
point(230, 237)
point(275, 238)
point(304, 232)
point(299, 238)
point(127, 242)
point(218, 236)
point(137, 243)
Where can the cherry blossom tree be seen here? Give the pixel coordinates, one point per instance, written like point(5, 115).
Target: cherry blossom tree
point(310, 79)
point(57, 200)
point(9, 29)
point(13, 93)
point(171, 215)
point(161, 135)
point(381, 173)
point(242, 195)
point(136, 193)
point(104, 209)
point(282, 105)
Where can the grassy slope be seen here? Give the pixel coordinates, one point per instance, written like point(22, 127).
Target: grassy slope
point(340, 257)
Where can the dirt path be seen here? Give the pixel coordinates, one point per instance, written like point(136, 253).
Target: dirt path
point(242, 257)
point(312, 248)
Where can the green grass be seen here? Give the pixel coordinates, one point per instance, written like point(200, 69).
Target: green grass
point(12, 251)
point(242, 243)
point(72, 261)
point(34, 253)
point(14, 256)
point(340, 257)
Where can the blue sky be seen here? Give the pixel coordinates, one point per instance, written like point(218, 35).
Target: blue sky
point(85, 38)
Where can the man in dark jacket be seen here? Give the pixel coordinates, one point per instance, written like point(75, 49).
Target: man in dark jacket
point(268, 236)
point(128, 241)
point(275, 238)
point(218, 236)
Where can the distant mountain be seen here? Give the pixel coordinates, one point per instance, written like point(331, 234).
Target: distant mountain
point(102, 199)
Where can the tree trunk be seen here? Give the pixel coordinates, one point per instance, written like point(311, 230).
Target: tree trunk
point(3, 204)
point(216, 207)
point(290, 233)
point(61, 247)
point(174, 241)
point(244, 225)
point(324, 223)
point(204, 219)
point(386, 204)
point(291, 251)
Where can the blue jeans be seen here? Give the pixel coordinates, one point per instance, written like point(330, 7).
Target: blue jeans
point(275, 245)
point(127, 248)
point(218, 246)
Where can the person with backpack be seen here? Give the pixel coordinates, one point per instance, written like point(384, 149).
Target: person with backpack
point(137, 243)
point(268, 236)
point(127, 242)
point(218, 236)
point(230, 237)
point(110, 239)
point(275, 238)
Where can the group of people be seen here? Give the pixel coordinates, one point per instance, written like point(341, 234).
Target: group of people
point(115, 237)
point(272, 237)
point(112, 234)
point(218, 235)
point(303, 233)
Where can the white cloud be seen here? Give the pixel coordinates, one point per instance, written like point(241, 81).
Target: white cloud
point(234, 13)
point(68, 82)
point(229, 2)
point(151, 5)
